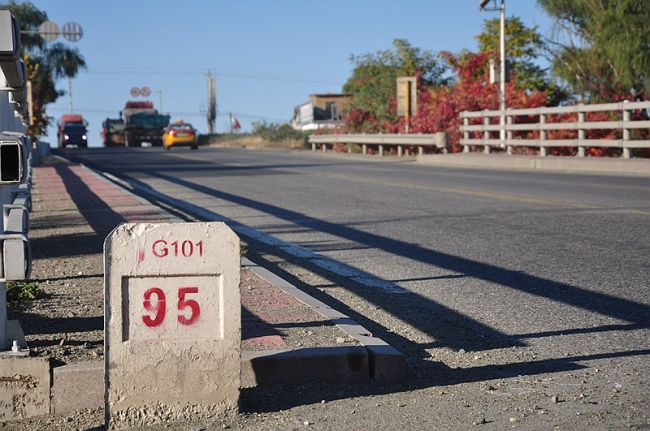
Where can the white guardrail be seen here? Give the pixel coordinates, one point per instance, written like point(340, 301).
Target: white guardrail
point(435, 140)
point(491, 132)
point(15, 177)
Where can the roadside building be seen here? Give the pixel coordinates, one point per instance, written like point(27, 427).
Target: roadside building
point(321, 111)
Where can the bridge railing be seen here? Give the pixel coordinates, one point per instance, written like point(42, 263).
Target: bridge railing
point(550, 119)
point(434, 140)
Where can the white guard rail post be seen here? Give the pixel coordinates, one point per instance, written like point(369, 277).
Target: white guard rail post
point(15, 171)
point(433, 140)
point(486, 133)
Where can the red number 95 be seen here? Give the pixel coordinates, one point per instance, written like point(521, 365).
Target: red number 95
point(154, 302)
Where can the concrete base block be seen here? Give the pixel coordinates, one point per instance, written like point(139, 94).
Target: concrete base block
point(591, 165)
point(387, 364)
point(24, 387)
point(328, 364)
point(78, 386)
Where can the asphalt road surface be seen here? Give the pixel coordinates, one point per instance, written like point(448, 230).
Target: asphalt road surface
point(520, 298)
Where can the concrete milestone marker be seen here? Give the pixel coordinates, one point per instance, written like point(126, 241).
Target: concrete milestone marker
point(172, 323)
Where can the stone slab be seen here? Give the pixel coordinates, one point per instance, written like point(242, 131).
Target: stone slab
point(77, 386)
point(172, 323)
point(24, 387)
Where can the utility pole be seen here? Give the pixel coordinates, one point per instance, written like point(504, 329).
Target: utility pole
point(502, 63)
point(212, 102)
point(69, 95)
point(502, 80)
point(230, 121)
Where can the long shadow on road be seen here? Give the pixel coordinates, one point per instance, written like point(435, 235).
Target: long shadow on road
point(601, 303)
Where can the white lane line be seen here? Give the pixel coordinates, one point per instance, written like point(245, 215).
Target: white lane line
point(330, 265)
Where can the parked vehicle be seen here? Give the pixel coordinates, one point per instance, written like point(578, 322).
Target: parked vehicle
point(180, 134)
point(113, 132)
point(72, 130)
point(141, 123)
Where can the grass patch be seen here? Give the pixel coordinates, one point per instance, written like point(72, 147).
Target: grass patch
point(23, 291)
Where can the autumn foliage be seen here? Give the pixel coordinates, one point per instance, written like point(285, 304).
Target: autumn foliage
point(439, 109)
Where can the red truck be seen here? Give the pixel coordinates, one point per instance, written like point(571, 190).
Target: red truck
point(72, 131)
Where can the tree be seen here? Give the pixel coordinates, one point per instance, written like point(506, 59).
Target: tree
point(45, 63)
point(373, 82)
point(602, 47)
point(523, 46)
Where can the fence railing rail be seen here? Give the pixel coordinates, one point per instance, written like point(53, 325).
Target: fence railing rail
point(380, 140)
point(489, 138)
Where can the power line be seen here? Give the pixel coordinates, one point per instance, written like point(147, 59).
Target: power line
point(176, 113)
point(219, 73)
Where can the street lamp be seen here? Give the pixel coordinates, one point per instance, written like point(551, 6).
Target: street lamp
point(502, 63)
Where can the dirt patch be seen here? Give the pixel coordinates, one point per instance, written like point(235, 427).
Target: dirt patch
point(249, 141)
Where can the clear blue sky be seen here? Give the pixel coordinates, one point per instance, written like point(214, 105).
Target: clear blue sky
point(268, 56)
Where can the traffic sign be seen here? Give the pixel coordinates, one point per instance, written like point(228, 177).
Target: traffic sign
point(172, 323)
point(49, 30)
point(145, 91)
point(135, 91)
point(72, 32)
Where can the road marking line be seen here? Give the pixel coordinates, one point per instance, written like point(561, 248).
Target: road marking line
point(330, 265)
point(455, 190)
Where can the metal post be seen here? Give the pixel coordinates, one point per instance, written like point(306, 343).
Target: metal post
point(502, 72)
point(420, 150)
point(581, 134)
point(364, 149)
point(542, 135)
point(313, 146)
point(381, 151)
point(400, 151)
point(626, 132)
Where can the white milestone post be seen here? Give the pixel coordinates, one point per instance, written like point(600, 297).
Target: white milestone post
point(172, 323)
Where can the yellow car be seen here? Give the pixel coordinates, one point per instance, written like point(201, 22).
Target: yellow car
point(180, 134)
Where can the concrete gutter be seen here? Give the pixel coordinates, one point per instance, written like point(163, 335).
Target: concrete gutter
point(81, 385)
point(587, 165)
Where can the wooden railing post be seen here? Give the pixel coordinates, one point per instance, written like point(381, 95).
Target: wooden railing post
point(542, 135)
point(509, 135)
point(466, 135)
point(581, 134)
point(626, 132)
point(486, 134)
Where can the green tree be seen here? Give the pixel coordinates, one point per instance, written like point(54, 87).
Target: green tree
point(373, 80)
point(602, 47)
point(45, 62)
point(523, 46)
